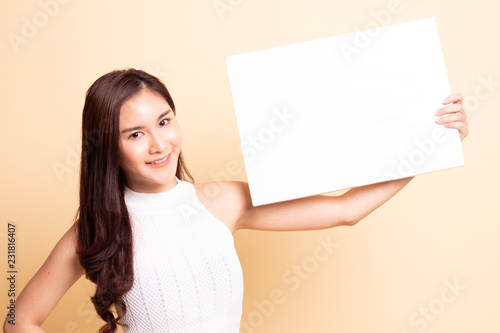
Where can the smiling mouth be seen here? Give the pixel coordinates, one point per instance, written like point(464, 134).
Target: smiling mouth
point(159, 161)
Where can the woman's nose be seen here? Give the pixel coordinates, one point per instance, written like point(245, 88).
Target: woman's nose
point(157, 143)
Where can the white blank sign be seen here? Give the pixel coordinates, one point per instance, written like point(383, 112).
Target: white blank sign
point(342, 111)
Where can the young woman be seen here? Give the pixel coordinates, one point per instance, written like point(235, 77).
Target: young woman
point(158, 246)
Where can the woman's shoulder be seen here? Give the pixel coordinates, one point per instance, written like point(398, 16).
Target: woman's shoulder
point(226, 200)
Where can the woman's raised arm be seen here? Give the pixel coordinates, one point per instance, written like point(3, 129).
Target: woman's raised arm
point(39, 297)
point(320, 212)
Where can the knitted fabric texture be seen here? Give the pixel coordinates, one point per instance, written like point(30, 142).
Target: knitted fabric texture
point(187, 276)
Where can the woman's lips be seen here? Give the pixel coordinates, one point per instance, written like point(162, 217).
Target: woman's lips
point(160, 162)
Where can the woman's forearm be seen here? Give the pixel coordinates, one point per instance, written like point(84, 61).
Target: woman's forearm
point(361, 201)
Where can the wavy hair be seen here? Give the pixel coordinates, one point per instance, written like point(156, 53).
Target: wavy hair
point(105, 247)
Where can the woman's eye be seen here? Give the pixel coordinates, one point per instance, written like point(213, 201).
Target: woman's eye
point(135, 135)
point(164, 122)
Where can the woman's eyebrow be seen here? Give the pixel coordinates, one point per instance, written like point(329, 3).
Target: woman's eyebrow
point(141, 127)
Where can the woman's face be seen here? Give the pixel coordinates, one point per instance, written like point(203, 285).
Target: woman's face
point(150, 143)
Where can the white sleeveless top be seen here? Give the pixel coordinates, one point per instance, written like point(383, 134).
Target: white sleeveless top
point(187, 276)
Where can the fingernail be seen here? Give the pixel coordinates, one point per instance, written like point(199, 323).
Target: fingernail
point(446, 100)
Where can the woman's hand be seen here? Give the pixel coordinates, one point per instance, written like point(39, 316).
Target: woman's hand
point(453, 115)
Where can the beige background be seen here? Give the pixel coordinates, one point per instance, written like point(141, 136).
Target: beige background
point(382, 274)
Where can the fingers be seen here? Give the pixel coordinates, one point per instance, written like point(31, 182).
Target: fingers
point(457, 122)
point(453, 115)
point(453, 98)
point(451, 108)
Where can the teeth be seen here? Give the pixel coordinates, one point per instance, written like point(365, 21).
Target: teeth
point(163, 160)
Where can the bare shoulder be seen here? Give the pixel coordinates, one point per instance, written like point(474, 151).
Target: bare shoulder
point(227, 200)
point(70, 240)
point(65, 250)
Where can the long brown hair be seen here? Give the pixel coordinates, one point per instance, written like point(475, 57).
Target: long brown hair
point(105, 246)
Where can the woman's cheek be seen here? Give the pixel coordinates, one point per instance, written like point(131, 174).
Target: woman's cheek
point(175, 136)
point(133, 150)
point(179, 137)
